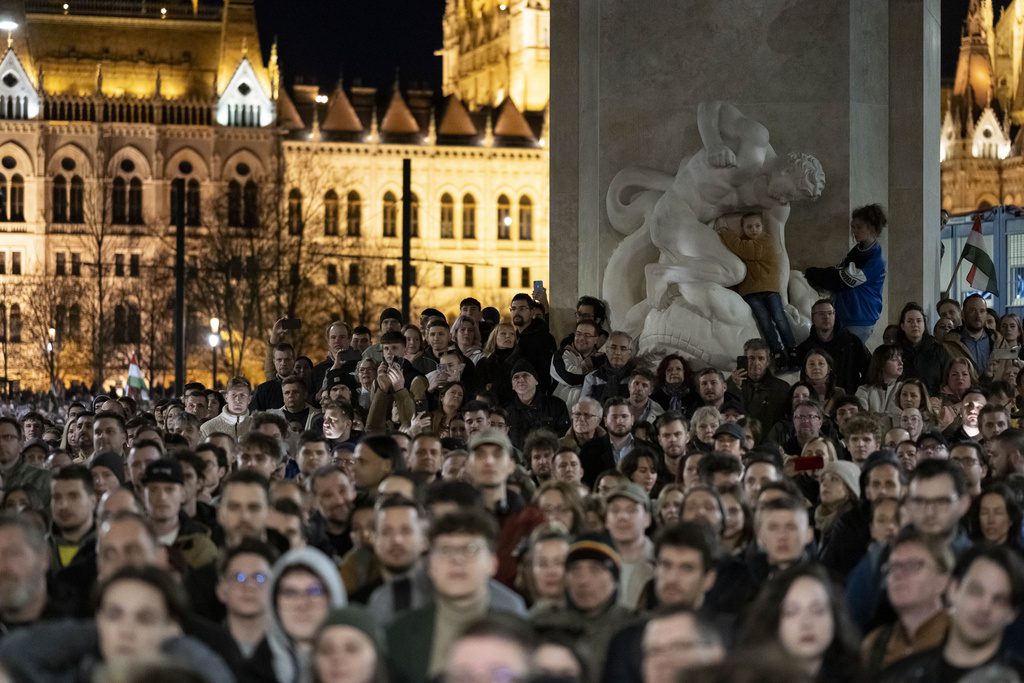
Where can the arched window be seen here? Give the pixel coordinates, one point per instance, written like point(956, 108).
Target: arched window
point(76, 212)
point(468, 217)
point(60, 199)
point(525, 218)
point(414, 219)
point(193, 213)
point(295, 212)
point(504, 218)
point(331, 213)
point(17, 201)
point(447, 216)
point(251, 217)
point(15, 323)
point(119, 199)
point(353, 214)
point(389, 215)
point(135, 201)
point(234, 204)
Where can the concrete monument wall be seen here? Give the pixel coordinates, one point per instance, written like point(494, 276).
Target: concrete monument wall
point(851, 82)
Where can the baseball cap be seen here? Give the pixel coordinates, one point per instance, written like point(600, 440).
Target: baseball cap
point(164, 471)
point(494, 437)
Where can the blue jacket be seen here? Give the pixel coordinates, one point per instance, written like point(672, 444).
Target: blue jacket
point(856, 284)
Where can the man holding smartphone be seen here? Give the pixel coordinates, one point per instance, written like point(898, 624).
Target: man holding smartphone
point(763, 394)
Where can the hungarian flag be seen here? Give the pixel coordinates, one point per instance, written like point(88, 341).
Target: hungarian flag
point(983, 271)
point(137, 388)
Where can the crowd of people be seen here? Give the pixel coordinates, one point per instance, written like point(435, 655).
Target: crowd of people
point(475, 501)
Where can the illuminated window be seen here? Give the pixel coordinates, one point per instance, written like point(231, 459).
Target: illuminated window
point(525, 219)
point(331, 213)
point(295, 212)
point(353, 214)
point(447, 216)
point(504, 218)
point(468, 217)
point(389, 215)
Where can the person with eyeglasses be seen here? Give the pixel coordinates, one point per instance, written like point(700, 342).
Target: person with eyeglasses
point(460, 563)
point(938, 500)
point(243, 587)
point(304, 586)
point(586, 418)
point(575, 359)
point(985, 596)
point(917, 576)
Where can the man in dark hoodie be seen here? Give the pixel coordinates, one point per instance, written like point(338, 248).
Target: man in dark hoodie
point(850, 356)
point(531, 408)
point(535, 341)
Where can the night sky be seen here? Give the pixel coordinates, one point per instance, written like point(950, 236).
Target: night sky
point(369, 39)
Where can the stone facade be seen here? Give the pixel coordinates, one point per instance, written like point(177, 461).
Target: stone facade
point(111, 109)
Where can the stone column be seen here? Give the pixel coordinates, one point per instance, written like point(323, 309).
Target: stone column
point(627, 76)
point(914, 125)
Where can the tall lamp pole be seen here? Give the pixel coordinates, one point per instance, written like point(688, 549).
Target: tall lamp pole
point(52, 338)
point(214, 340)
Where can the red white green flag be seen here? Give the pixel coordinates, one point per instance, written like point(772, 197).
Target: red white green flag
point(982, 275)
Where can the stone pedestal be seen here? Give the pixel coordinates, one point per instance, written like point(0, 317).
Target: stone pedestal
point(853, 82)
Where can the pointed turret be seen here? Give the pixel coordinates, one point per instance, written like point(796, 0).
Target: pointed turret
point(511, 123)
point(341, 116)
point(398, 119)
point(456, 120)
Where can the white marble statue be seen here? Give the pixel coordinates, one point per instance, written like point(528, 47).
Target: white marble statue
point(683, 304)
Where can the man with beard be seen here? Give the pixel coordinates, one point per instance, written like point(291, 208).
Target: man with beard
point(244, 590)
point(975, 342)
point(400, 541)
point(684, 570)
point(24, 561)
point(243, 507)
point(73, 536)
point(640, 386)
point(763, 394)
point(14, 468)
point(605, 453)
point(673, 434)
point(333, 496)
point(539, 454)
point(536, 344)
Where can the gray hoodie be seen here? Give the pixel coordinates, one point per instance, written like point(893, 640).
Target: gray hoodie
point(289, 665)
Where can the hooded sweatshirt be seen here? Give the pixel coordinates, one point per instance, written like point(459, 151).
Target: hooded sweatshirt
point(289, 665)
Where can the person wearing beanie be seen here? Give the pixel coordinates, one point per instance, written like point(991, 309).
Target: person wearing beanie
point(390, 320)
point(591, 610)
point(841, 543)
point(535, 341)
point(107, 470)
point(350, 648)
point(532, 408)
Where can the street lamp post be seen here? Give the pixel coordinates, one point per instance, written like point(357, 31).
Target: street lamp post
point(52, 337)
point(214, 341)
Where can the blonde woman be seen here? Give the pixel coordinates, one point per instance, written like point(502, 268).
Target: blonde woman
point(703, 424)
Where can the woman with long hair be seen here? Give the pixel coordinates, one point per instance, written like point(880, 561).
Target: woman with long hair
point(643, 466)
point(914, 394)
point(995, 517)
point(494, 369)
point(466, 334)
point(673, 387)
point(542, 571)
point(560, 503)
point(818, 371)
point(923, 356)
point(800, 611)
point(450, 398)
point(878, 394)
point(739, 521)
point(1010, 328)
point(414, 348)
point(669, 505)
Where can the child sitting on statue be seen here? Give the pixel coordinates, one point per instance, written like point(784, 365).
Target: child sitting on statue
point(754, 247)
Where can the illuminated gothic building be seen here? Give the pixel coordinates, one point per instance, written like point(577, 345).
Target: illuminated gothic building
point(981, 149)
point(111, 111)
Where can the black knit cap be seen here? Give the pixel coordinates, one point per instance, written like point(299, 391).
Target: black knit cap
point(597, 547)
